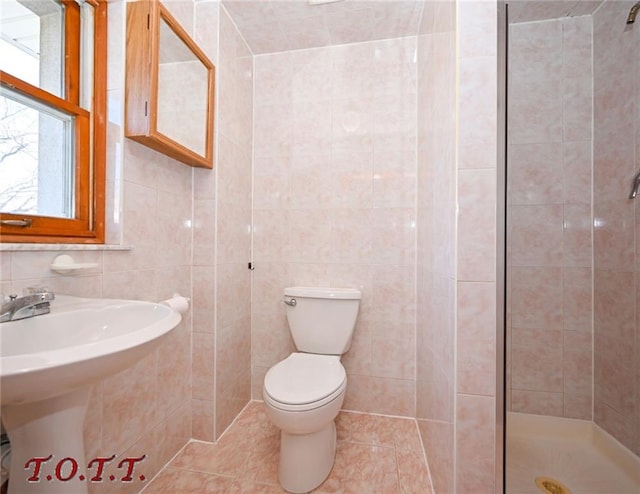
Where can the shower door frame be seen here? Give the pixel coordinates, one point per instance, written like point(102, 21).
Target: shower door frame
point(501, 242)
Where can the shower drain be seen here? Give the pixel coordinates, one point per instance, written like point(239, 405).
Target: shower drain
point(551, 486)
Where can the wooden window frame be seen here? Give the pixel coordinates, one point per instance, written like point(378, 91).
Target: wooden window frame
point(88, 224)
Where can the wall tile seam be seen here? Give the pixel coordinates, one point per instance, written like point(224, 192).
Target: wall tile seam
point(475, 279)
point(484, 395)
point(216, 218)
point(237, 30)
point(478, 169)
point(252, 256)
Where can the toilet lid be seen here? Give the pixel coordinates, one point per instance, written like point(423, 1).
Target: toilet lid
point(304, 378)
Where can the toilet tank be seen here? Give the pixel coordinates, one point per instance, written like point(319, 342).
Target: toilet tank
point(323, 319)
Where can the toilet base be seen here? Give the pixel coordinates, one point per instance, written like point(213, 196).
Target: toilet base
point(306, 459)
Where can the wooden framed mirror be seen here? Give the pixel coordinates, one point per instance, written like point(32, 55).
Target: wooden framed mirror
point(170, 86)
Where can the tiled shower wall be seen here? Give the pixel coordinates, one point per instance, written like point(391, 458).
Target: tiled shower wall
point(334, 205)
point(549, 268)
point(616, 254)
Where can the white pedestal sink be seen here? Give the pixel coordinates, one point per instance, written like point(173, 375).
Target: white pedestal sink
point(47, 366)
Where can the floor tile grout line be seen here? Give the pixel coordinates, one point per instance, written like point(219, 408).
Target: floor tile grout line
point(166, 465)
point(398, 436)
point(424, 457)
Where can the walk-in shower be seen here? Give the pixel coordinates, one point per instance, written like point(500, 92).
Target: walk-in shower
point(573, 248)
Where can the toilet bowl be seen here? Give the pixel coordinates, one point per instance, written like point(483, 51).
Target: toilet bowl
point(304, 392)
point(303, 395)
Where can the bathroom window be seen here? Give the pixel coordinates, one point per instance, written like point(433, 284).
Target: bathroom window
point(52, 120)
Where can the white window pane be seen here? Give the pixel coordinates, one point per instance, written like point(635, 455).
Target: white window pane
point(36, 158)
point(32, 42)
point(86, 56)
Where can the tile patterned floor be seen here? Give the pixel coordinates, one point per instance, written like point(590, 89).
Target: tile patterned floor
point(375, 455)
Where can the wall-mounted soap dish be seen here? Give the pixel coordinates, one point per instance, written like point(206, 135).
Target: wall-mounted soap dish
point(64, 264)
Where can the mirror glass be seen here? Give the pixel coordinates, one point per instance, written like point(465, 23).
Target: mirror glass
point(182, 87)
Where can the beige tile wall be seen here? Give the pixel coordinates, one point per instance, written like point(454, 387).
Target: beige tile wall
point(334, 205)
point(457, 165)
point(172, 216)
point(233, 286)
point(549, 224)
point(616, 160)
point(477, 399)
point(146, 409)
point(222, 242)
point(435, 386)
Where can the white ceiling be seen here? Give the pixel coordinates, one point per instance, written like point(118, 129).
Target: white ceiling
point(271, 25)
point(280, 25)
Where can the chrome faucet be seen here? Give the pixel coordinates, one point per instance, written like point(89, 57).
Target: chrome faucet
point(34, 304)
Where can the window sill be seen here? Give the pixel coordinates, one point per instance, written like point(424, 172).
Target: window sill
point(60, 247)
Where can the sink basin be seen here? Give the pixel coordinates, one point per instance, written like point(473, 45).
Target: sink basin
point(79, 342)
point(47, 366)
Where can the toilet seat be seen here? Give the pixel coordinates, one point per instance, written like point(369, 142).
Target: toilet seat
point(304, 381)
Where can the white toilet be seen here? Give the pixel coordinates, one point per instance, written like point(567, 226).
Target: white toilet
point(304, 392)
